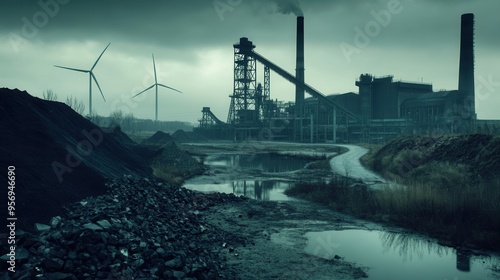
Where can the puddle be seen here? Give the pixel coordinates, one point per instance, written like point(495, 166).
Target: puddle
point(265, 162)
point(260, 189)
point(255, 189)
point(400, 256)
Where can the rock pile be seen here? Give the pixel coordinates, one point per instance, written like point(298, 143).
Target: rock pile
point(182, 136)
point(140, 229)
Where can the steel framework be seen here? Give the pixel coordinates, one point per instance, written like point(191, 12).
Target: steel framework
point(243, 109)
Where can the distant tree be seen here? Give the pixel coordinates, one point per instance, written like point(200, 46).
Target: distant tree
point(95, 118)
point(75, 104)
point(116, 118)
point(50, 95)
point(128, 122)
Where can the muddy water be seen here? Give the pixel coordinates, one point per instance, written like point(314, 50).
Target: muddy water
point(385, 255)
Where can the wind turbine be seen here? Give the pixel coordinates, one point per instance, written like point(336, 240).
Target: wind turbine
point(91, 76)
point(156, 84)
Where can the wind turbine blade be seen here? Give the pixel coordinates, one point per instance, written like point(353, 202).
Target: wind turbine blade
point(169, 88)
point(98, 86)
point(74, 69)
point(99, 57)
point(144, 91)
point(154, 67)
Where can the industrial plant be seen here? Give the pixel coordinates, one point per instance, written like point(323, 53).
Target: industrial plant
point(383, 108)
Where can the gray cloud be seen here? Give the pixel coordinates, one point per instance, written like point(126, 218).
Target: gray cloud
point(289, 6)
point(196, 38)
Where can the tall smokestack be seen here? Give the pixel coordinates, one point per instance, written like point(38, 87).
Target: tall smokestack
point(466, 70)
point(299, 70)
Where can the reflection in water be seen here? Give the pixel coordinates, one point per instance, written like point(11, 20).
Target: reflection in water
point(261, 189)
point(407, 245)
point(255, 189)
point(267, 162)
point(463, 260)
point(400, 256)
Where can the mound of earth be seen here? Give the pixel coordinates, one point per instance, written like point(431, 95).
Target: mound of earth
point(479, 152)
point(159, 138)
point(172, 161)
point(121, 136)
point(59, 156)
point(182, 136)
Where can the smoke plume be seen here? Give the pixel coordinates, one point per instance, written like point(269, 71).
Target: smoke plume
point(289, 6)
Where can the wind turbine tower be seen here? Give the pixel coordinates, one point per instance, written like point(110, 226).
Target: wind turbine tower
point(91, 76)
point(156, 84)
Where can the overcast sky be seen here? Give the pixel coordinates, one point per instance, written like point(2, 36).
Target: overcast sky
point(192, 40)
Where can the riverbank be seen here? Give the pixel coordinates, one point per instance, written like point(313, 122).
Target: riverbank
point(381, 252)
point(439, 190)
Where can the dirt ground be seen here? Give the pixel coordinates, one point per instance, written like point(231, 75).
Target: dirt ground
point(266, 240)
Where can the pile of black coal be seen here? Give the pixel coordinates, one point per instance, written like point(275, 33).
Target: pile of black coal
point(140, 229)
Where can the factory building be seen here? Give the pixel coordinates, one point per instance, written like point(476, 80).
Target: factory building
point(383, 108)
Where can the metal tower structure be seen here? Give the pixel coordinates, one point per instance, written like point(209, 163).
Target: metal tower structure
point(243, 110)
point(266, 106)
point(206, 120)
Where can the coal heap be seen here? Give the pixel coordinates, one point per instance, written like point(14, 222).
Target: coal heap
point(59, 156)
point(182, 136)
point(159, 138)
point(141, 229)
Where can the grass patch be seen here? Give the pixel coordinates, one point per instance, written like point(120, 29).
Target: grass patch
point(449, 187)
point(457, 212)
point(466, 214)
point(341, 193)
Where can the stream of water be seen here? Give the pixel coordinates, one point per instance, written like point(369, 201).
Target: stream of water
point(386, 255)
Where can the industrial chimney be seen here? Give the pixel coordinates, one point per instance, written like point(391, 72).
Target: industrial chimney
point(299, 70)
point(466, 70)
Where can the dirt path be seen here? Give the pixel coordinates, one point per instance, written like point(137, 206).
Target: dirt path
point(265, 240)
point(348, 164)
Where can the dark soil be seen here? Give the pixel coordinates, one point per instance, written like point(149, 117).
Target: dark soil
point(173, 160)
point(59, 156)
point(159, 138)
point(182, 136)
point(479, 152)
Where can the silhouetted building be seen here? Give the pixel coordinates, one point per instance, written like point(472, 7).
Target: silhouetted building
point(384, 108)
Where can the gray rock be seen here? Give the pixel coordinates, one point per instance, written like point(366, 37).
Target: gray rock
point(42, 227)
point(175, 263)
point(92, 226)
point(161, 252)
point(55, 221)
point(104, 224)
point(179, 274)
point(137, 263)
